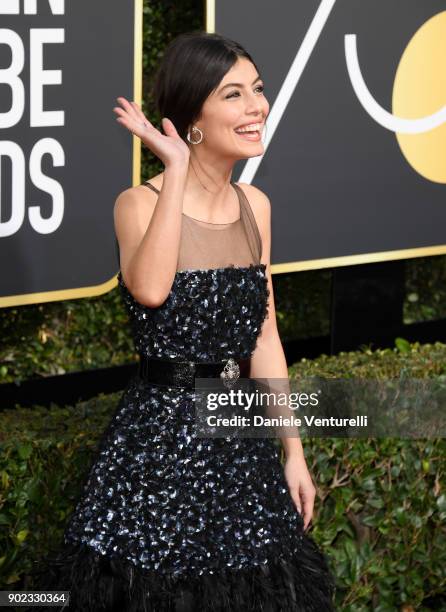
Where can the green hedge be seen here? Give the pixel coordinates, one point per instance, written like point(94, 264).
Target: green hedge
point(381, 506)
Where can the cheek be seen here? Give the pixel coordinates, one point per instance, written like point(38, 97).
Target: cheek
point(231, 118)
point(225, 128)
point(223, 121)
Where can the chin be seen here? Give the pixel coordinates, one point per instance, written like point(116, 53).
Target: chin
point(253, 152)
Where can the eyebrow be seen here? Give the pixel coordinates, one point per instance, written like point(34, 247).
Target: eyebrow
point(259, 78)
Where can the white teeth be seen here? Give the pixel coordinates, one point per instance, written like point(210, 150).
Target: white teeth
point(254, 127)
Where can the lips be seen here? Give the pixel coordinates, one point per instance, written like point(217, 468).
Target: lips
point(258, 125)
point(251, 135)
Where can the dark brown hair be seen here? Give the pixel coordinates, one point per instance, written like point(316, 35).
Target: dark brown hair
point(193, 65)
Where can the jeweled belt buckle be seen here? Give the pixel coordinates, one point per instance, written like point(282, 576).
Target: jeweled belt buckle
point(230, 372)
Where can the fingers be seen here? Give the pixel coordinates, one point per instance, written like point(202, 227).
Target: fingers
point(307, 514)
point(128, 107)
point(168, 127)
point(307, 511)
point(120, 112)
point(296, 498)
point(307, 500)
point(132, 125)
point(125, 118)
point(304, 500)
point(140, 115)
point(131, 111)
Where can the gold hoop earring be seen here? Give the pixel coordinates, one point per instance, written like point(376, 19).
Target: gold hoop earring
point(195, 129)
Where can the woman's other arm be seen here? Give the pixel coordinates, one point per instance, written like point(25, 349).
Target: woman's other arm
point(268, 361)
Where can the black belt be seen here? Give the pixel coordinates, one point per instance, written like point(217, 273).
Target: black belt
point(174, 373)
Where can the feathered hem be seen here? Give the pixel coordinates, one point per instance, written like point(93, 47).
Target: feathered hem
point(100, 583)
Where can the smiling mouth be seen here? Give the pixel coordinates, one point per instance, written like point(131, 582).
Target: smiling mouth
point(252, 135)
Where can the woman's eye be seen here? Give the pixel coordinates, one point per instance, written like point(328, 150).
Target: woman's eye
point(231, 95)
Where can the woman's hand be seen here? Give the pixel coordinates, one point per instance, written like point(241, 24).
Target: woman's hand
point(170, 148)
point(300, 484)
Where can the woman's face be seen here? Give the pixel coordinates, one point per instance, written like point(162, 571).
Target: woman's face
point(237, 102)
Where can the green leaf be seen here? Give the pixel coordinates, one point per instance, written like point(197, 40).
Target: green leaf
point(24, 451)
point(21, 535)
point(402, 345)
point(441, 502)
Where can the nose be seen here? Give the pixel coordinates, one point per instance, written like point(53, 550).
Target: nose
point(254, 110)
point(255, 107)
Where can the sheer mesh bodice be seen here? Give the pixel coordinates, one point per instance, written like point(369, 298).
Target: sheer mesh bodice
point(206, 245)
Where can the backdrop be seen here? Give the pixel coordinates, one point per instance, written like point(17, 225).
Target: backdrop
point(63, 156)
point(355, 164)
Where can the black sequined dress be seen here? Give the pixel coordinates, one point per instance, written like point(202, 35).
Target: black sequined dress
point(168, 521)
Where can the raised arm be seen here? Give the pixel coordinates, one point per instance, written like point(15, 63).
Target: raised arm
point(147, 226)
point(148, 229)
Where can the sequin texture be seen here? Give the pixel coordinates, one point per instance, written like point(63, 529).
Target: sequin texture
point(209, 315)
point(158, 495)
point(160, 504)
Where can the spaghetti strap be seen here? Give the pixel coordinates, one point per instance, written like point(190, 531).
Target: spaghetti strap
point(150, 186)
point(250, 224)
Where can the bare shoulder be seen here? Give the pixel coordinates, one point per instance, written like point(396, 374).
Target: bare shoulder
point(260, 203)
point(137, 200)
point(132, 214)
point(257, 198)
point(133, 210)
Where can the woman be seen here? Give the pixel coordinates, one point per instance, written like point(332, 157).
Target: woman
point(169, 520)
